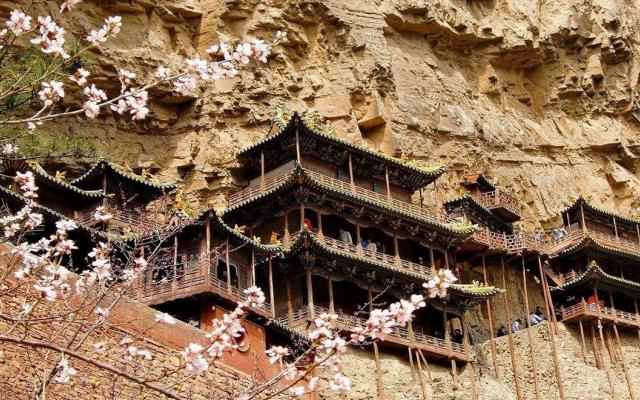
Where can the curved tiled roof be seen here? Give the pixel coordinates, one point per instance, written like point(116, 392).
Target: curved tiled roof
point(597, 210)
point(468, 199)
point(40, 173)
point(310, 181)
point(595, 273)
point(590, 241)
point(122, 172)
point(426, 175)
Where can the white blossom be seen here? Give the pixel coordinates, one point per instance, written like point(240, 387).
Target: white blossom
point(51, 92)
point(18, 22)
point(64, 372)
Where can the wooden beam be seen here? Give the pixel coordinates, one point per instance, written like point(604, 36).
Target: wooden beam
point(262, 183)
point(426, 395)
point(253, 267)
point(615, 228)
point(632, 391)
point(594, 344)
point(432, 261)
point(375, 349)
point(286, 229)
point(532, 350)
point(514, 363)
point(584, 224)
point(358, 239)
point(388, 186)
point(289, 303)
point(490, 315)
point(298, 155)
point(583, 343)
point(228, 261)
point(319, 223)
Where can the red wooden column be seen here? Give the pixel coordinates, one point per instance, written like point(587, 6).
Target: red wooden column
point(396, 250)
point(286, 229)
point(490, 315)
point(615, 228)
point(332, 309)
point(310, 293)
point(319, 223)
point(228, 262)
point(262, 183)
point(298, 155)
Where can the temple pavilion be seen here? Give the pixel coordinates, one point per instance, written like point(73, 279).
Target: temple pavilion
point(593, 261)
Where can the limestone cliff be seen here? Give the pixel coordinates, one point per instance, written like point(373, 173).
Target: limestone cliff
point(541, 96)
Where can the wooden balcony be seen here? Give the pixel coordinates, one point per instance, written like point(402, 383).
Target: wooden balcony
point(123, 221)
point(584, 311)
point(437, 348)
point(525, 242)
point(504, 205)
point(198, 277)
point(404, 207)
point(487, 241)
point(604, 239)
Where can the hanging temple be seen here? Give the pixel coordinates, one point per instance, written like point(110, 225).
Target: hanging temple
point(325, 225)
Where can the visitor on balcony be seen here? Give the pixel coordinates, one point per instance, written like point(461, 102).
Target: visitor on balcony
point(364, 243)
point(345, 236)
point(592, 300)
point(457, 336)
point(373, 246)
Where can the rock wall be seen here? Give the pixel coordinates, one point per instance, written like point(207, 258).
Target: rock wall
point(541, 96)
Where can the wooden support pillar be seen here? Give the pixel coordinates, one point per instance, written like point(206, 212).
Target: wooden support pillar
point(552, 329)
point(396, 249)
point(615, 228)
point(228, 262)
point(584, 224)
point(351, 180)
point(532, 350)
point(388, 186)
point(514, 363)
point(332, 308)
point(638, 231)
point(286, 229)
point(262, 183)
point(467, 352)
point(568, 222)
point(602, 343)
point(298, 155)
point(583, 343)
point(421, 199)
point(376, 353)
point(312, 313)
point(207, 234)
point(635, 306)
point(432, 261)
point(446, 258)
point(272, 297)
point(490, 315)
point(594, 344)
point(289, 303)
point(632, 392)
point(302, 216)
point(426, 389)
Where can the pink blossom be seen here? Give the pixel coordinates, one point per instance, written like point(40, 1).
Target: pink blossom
point(18, 22)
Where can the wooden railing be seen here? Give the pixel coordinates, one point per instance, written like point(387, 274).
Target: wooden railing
point(524, 241)
point(498, 199)
point(606, 239)
point(258, 188)
point(591, 309)
point(349, 322)
point(135, 221)
point(196, 277)
point(402, 206)
point(492, 239)
point(392, 261)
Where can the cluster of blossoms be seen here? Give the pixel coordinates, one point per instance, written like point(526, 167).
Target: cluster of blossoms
point(438, 285)
point(64, 371)
point(131, 351)
point(110, 28)
point(50, 37)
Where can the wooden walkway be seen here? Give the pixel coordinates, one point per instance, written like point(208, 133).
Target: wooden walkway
point(577, 235)
point(584, 311)
point(436, 347)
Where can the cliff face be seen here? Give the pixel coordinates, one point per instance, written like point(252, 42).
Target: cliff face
point(541, 96)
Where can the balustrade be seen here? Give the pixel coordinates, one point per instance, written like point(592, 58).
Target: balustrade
point(348, 322)
point(576, 235)
point(590, 309)
point(498, 199)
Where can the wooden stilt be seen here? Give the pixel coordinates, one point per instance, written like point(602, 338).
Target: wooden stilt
point(467, 350)
point(432, 261)
point(514, 363)
point(594, 344)
point(410, 351)
point(490, 315)
point(320, 234)
point(207, 234)
point(298, 154)
point(426, 364)
point(584, 345)
point(606, 365)
point(351, 180)
point(529, 334)
point(262, 183)
point(358, 239)
point(584, 224)
point(632, 392)
point(286, 229)
point(635, 305)
point(386, 179)
point(422, 380)
point(552, 329)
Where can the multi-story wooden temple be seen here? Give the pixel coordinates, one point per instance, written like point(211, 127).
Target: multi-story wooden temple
point(593, 261)
point(321, 224)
